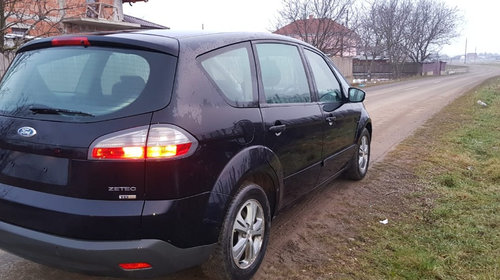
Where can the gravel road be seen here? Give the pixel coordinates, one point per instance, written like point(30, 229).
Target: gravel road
point(398, 109)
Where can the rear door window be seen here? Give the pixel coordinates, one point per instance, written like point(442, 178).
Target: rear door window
point(284, 78)
point(86, 84)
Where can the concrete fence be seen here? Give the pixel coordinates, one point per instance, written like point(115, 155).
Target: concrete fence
point(434, 68)
point(344, 64)
point(5, 60)
point(382, 69)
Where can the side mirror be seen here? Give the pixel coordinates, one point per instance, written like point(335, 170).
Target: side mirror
point(356, 95)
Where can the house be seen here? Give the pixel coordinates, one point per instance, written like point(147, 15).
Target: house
point(144, 24)
point(332, 38)
point(471, 57)
point(26, 19)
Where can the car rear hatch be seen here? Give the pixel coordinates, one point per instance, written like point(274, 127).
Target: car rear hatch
point(57, 97)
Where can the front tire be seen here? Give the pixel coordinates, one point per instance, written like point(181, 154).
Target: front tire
point(361, 158)
point(244, 236)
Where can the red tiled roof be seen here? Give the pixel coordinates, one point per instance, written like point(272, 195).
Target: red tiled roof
point(312, 25)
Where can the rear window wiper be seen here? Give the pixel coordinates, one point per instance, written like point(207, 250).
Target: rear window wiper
point(56, 111)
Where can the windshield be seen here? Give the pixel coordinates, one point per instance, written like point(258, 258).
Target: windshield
point(86, 84)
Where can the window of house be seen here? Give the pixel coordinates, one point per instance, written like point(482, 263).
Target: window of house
point(19, 31)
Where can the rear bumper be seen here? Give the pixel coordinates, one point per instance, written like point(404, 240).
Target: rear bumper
point(100, 257)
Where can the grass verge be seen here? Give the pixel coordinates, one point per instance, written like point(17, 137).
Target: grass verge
point(455, 234)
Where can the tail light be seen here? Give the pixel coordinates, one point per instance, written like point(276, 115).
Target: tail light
point(159, 141)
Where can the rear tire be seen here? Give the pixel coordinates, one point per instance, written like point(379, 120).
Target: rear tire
point(361, 158)
point(244, 236)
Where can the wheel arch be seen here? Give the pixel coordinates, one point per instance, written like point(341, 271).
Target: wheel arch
point(256, 164)
point(364, 122)
point(368, 126)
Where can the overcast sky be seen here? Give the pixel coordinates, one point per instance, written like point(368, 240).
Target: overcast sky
point(482, 18)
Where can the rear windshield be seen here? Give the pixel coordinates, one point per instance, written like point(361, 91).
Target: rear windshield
point(79, 84)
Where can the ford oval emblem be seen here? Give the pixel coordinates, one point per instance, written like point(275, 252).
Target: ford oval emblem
point(26, 131)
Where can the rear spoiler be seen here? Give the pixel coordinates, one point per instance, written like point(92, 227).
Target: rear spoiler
point(124, 41)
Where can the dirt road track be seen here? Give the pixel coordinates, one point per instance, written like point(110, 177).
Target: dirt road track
point(396, 110)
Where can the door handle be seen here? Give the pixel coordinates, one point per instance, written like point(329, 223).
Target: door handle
point(330, 120)
point(277, 129)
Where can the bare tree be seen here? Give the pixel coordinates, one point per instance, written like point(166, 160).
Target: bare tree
point(370, 38)
point(393, 19)
point(433, 24)
point(319, 23)
point(44, 15)
point(406, 30)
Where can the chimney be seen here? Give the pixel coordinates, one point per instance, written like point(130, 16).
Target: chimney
point(311, 16)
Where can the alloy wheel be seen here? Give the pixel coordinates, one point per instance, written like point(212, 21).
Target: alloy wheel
point(248, 232)
point(364, 150)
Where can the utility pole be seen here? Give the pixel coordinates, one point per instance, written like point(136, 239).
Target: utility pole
point(465, 57)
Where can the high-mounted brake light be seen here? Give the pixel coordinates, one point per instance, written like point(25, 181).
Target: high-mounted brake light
point(155, 142)
point(134, 266)
point(71, 41)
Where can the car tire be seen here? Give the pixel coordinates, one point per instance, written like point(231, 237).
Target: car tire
point(243, 237)
point(359, 163)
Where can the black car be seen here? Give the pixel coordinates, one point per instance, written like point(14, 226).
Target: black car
point(142, 153)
